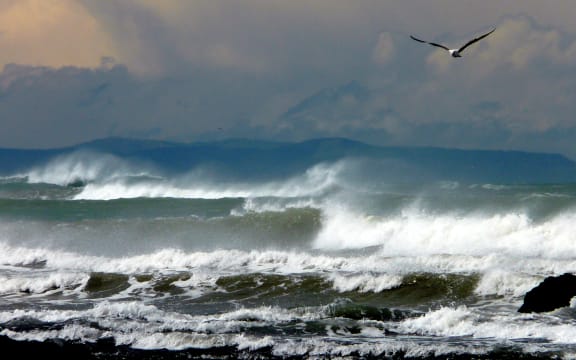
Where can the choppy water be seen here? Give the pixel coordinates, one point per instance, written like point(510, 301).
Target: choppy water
point(328, 263)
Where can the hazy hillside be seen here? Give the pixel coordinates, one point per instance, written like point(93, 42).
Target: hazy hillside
point(254, 158)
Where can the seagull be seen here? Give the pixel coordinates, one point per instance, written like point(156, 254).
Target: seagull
point(455, 52)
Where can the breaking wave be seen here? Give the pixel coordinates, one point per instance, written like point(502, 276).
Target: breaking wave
point(374, 273)
point(83, 167)
point(107, 177)
point(414, 231)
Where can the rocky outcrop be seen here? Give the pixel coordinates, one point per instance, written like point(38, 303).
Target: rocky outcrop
point(553, 293)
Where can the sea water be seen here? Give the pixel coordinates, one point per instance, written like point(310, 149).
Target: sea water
point(108, 258)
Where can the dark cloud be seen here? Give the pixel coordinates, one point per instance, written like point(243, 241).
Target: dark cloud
point(189, 70)
point(47, 107)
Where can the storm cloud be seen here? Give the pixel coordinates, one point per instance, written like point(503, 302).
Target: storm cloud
point(289, 70)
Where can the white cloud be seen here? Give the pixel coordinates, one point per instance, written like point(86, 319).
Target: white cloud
point(518, 44)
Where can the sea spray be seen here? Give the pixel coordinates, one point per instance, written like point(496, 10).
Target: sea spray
point(198, 185)
point(83, 166)
point(414, 232)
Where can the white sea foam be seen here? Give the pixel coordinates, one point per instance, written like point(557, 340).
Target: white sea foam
point(68, 332)
point(84, 166)
point(21, 256)
point(145, 326)
point(366, 282)
point(382, 347)
point(259, 205)
point(505, 283)
point(461, 321)
point(148, 327)
point(42, 283)
point(182, 340)
point(413, 232)
point(121, 190)
point(209, 265)
point(197, 184)
point(310, 347)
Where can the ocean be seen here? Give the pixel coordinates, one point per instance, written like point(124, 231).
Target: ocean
point(105, 259)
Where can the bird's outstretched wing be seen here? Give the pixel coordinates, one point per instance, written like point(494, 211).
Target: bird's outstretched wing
point(475, 40)
point(430, 43)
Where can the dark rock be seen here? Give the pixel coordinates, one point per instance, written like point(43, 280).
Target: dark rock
point(552, 293)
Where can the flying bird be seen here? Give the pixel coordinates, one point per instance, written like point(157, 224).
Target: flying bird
point(455, 52)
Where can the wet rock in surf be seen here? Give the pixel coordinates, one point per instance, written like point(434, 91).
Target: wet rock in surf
point(553, 293)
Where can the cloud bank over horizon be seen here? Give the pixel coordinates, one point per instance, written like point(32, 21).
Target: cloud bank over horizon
point(76, 70)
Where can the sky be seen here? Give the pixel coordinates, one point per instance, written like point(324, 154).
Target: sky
point(196, 70)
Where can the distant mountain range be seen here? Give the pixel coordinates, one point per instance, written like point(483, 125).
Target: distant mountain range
point(277, 159)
